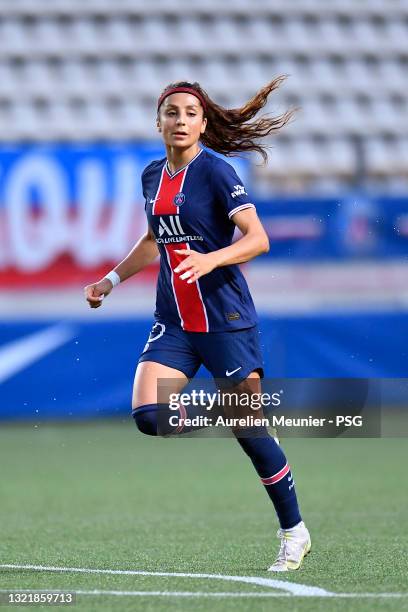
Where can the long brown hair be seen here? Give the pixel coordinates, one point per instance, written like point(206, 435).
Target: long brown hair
point(228, 131)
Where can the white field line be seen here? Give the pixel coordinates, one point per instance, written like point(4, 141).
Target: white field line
point(153, 593)
point(288, 588)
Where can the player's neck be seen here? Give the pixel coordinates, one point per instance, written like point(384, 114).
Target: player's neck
point(178, 158)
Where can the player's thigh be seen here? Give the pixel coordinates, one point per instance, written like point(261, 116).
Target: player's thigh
point(148, 376)
point(237, 398)
point(231, 355)
point(167, 362)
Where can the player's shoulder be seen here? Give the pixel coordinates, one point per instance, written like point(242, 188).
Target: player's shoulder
point(216, 161)
point(219, 166)
point(156, 164)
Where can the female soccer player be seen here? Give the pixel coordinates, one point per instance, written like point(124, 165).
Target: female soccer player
point(204, 311)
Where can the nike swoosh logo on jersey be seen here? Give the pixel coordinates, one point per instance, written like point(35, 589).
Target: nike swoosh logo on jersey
point(233, 371)
point(153, 201)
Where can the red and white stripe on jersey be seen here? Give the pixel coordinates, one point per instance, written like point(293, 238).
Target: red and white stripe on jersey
point(168, 188)
point(238, 208)
point(189, 301)
point(276, 477)
point(188, 297)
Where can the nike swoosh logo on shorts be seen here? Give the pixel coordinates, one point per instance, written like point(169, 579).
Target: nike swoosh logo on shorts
point(233, 371)
point(153, 201)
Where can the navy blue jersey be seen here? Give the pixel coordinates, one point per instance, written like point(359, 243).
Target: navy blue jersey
point(193, 209)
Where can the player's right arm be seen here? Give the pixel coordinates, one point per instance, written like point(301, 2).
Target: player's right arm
point(143, 253)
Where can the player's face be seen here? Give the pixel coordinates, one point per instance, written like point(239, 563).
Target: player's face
point(181, 120)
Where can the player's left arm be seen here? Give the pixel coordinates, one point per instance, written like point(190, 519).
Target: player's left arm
point(253, 242)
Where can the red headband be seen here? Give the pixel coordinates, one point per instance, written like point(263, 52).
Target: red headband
point(189, 90)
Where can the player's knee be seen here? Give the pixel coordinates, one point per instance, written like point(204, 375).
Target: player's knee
point(146, 419)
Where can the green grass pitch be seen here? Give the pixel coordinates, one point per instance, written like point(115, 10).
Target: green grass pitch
point(101, 495)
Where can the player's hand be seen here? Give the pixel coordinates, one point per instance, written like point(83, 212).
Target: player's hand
point(95, 293)
point(194, 265)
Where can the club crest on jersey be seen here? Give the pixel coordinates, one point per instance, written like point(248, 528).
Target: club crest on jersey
point(179, 198)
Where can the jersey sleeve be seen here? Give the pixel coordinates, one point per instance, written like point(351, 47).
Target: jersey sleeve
point(229, 189)
point(142, 179)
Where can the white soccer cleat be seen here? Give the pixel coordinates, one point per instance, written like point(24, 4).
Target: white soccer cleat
point(274, 433)
point(295, 545)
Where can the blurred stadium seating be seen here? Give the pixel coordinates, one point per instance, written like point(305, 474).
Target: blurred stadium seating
point(74, 70)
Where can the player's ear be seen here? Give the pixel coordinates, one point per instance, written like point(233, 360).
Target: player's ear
point(158, 126)
point(203, 125)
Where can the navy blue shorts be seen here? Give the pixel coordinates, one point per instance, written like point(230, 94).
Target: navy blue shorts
point(231, 355)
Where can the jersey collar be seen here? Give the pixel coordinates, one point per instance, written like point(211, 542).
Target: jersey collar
point(183, 168)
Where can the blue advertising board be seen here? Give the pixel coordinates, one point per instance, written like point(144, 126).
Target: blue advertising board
point(69, 370)
point(83, 202)
point(356, 226)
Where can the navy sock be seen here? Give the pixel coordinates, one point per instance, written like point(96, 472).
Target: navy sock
point(270, 462)
point(160, 420)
